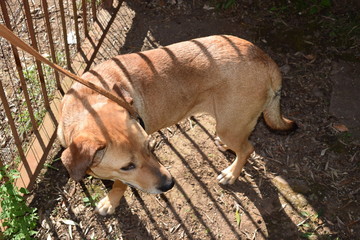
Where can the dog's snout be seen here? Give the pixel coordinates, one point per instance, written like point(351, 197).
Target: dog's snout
point(169, 184)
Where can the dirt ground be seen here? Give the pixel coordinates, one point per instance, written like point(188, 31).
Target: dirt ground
point(304, 185)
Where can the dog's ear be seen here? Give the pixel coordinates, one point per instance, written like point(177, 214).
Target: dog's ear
point(80, 155)
point(122, 92)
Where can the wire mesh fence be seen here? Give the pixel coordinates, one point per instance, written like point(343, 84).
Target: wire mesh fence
point(56, 28)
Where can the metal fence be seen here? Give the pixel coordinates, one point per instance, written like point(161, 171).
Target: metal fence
point(29, 90)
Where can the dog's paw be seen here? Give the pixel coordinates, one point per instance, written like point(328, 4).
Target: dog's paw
point(105, 207)
point(220, 145)
point(227, 177)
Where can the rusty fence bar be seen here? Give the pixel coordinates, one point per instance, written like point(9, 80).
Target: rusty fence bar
point(76, 24)
point(51, 41)
point(35, 46)
point(66, 45)
point(93, 9)
point(86, 31)
point(13, 128)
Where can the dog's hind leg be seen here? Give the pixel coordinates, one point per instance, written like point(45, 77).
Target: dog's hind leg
point(108, 204)
point(235, 136)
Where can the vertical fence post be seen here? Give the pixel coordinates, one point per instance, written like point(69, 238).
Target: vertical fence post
point(19, 69)
point(13, 129)
point(86, 31)
point(51, 42)
point(66, 45)
point(93, 8)
point(76, 23)
point(35, 46)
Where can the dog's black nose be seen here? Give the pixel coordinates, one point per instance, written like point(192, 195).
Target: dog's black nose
point(167, 186)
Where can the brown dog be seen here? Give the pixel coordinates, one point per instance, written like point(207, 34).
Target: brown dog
point(225, 76)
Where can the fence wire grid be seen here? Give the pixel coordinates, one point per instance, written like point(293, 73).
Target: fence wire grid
point(56, 28)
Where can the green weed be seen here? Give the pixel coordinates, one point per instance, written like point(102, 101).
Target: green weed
point(60, 58)
point(36, 95)
point(19, 220)
point(225, 4)
point(338, 29)
point(88, 2)
point(92, 200)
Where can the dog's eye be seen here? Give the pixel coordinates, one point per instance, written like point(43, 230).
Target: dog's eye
point(128, 167)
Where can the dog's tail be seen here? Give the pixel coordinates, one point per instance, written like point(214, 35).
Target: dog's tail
point(272, 113)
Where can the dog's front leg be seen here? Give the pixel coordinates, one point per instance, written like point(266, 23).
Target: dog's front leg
point(108, 204)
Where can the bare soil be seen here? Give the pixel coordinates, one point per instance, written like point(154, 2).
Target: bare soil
point(304, 185)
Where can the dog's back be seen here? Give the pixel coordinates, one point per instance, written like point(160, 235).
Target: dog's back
point(172, 82)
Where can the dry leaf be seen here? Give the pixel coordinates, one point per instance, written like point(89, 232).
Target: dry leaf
point(340, 127)
point(310, 57)
point(68, 222)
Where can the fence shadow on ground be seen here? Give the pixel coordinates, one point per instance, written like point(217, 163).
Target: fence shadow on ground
point(245, 187)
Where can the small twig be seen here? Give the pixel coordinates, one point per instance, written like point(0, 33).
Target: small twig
point(247, 235)
point(353, 157)
point(212, 221)
point(340, 222)
point(254, 234)
point(272, 159)
point(174, 229)
point(190, 122)
point(353, 222)
point(303, 221)
point(159, 202)
point(282, 207)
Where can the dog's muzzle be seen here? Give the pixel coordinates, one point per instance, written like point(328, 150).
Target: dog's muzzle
point(169, 184)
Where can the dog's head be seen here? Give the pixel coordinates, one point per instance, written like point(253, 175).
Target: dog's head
point(106, 143)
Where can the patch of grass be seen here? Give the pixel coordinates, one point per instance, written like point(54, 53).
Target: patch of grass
point(31, 78)
point(309, 226)
point(303, 7)
point(18, 219)
point(92, 200)
point(341, 142)
point(36, 95)
point(345, 31)
point(95, 192)
point(60, 58)
point(17, 159)
point(338, 28)
point(225, 4)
